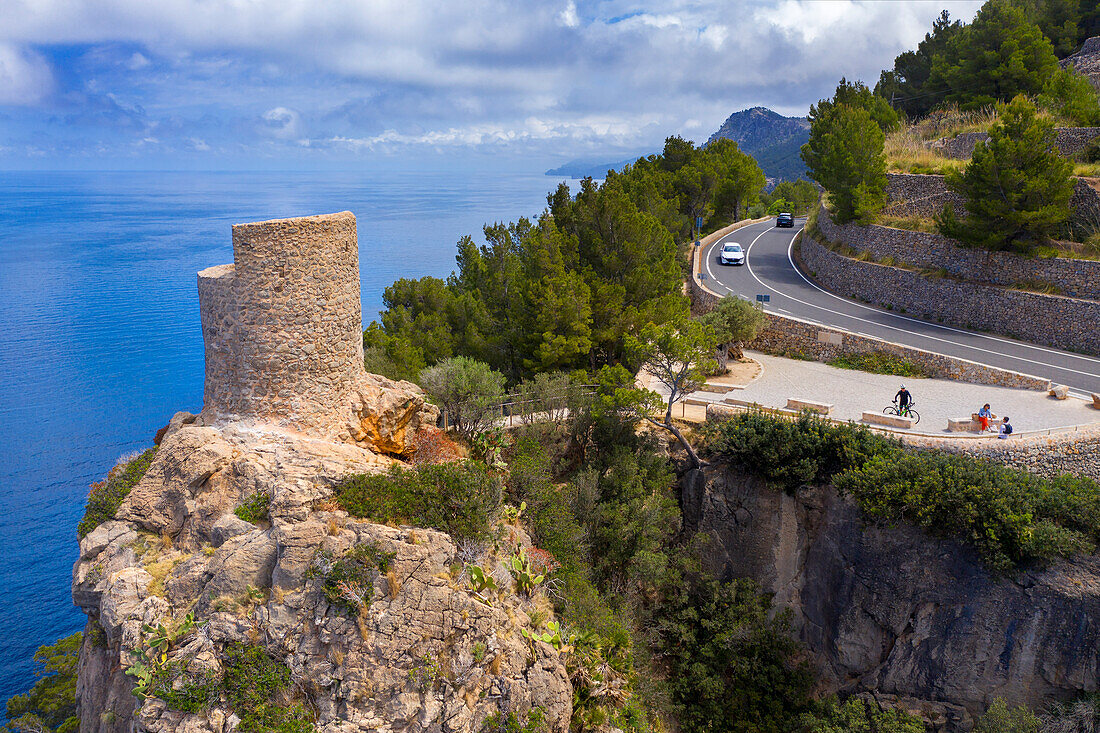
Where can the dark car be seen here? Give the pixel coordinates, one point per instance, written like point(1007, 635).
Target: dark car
point(784, 220)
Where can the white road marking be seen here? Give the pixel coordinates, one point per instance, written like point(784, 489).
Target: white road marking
point(811, 283)
point(790, 258)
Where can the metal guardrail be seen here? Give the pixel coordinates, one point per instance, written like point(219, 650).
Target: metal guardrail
point(510, 409)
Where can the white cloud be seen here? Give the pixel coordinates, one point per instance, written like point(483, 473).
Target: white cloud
point(569, 16)
point(373, 74)
point(137, 61)
point(25, 77)
point(282, 123)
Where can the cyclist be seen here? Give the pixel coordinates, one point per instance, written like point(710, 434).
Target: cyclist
point(903, 400)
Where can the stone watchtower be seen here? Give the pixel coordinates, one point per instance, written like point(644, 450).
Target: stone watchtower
point(283, 326)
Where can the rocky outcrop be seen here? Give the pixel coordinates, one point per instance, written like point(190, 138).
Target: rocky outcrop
point(424, 654)
point(1086, 61)
point(891, 612)
point(362, 627)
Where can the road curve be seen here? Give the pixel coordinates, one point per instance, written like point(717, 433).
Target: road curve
point(770, 270)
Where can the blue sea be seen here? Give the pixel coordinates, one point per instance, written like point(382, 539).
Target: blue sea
point(99, 329)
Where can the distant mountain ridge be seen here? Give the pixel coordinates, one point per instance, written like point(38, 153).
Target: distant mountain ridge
point(589, 167)
point(774, 140)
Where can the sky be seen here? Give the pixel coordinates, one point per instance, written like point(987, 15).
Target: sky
point(319, 84)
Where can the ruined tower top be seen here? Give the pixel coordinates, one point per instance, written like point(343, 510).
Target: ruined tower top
point(283, 325)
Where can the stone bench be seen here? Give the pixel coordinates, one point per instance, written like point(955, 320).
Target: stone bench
point(740, 403)
point(962, 425)
point(718, 388)
point(798, 405)
point(890, 421)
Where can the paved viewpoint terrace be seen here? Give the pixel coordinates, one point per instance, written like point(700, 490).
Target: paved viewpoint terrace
point(851, 392)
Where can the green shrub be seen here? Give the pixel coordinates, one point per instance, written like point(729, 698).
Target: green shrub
point(459, 498)
point(258, 689)
point(255, 508)
point(732, 663)
point(183, 690)
point(348, 581)
point(106, 496)
point(858, 715)
point(791, 453)
point(1009, 516)
point(467, 391)
point(50, 705)
point(634, 519)
point(533, 721)
point(879, 362)
point(999, 718)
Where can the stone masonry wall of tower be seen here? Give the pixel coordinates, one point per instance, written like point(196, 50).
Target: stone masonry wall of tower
point(282, 325)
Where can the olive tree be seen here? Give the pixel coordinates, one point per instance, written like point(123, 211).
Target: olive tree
point(466, 390)
point(732, 322)
point(674, 355)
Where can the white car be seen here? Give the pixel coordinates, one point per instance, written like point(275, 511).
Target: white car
point(731, 254)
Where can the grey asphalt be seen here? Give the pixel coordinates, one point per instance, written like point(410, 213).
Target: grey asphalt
point(770, 270)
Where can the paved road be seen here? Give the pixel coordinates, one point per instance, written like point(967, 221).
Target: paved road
point(770, 269)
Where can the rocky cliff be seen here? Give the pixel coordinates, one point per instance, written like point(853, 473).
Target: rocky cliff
point(303, 618)
point(889, 612)
point(422, 654)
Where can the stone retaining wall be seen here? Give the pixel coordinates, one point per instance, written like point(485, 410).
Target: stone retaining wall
point(1065, 323)
point(1072, 451)
point(1075, 278)
point(909, 194)
point(1068, 140)
point(784, 335)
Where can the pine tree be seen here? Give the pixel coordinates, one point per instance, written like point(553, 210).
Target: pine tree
point(1017, 187)
point(846, 156)
point(999, 55)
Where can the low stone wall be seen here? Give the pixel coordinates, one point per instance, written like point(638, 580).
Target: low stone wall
point(1075, 278)
point(1071, 451)
point(784, 335)
point(910, 194)
point(825, 344)
point(1068, 140)
point(1066, 323)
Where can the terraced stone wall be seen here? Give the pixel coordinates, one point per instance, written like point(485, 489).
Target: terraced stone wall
point(1068, 140)
point(909, 194)
point(1074, 278)
point(1060, 322)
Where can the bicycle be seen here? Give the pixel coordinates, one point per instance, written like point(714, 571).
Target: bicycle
point(906, 411)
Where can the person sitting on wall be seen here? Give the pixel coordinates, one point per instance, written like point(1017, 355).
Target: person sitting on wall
point(1006, 429)
point(984, 416)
